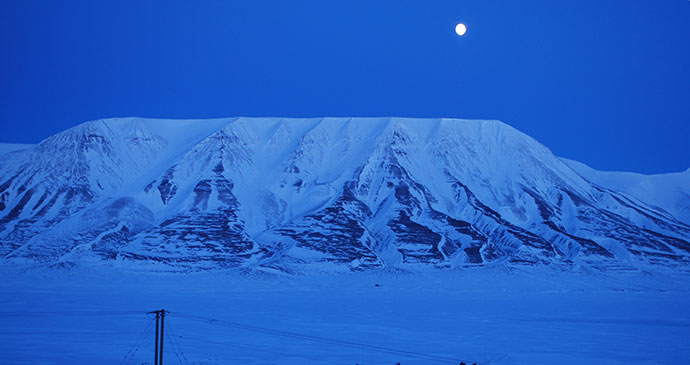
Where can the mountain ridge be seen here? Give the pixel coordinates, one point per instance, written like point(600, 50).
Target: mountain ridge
point(332, 192)
point(670, 191)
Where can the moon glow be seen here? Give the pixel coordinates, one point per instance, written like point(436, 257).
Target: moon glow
point(460, 29)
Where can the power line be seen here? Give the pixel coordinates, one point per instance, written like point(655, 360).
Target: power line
point(137, 343)
point(175, 342)
point(67, 332)
point(68, 313)
point(177, 355)
point(232, 344)
point(325, 340)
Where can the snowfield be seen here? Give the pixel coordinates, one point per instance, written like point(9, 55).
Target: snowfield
point(490, 315)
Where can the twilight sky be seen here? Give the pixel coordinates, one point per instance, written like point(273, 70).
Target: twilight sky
point(606, 83)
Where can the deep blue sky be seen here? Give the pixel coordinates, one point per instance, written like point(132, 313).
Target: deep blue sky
point(604, 82)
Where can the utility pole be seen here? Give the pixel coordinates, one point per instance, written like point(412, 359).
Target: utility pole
point(158, 347)
point(155, 349)
point(160, 357)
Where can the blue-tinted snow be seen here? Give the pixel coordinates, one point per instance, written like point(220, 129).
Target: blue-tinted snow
point(488, 315)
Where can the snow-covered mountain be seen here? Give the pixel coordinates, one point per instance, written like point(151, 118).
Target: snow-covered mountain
point(11, 147)
point(670, 192)
point(343, 193)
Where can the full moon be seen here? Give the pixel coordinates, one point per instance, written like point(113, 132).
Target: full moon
point(461, 29)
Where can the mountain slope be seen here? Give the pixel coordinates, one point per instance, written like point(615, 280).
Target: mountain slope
point(12, 147)
point(344, 193)
point(670, 192)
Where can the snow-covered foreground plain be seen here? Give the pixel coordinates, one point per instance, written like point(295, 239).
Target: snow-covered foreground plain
point(483, 315)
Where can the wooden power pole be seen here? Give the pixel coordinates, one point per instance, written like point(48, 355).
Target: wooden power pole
point(158, 347)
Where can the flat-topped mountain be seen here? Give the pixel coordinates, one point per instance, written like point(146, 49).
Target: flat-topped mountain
point(341, 193)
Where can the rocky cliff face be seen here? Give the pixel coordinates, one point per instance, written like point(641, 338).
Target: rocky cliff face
point(344, 193)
